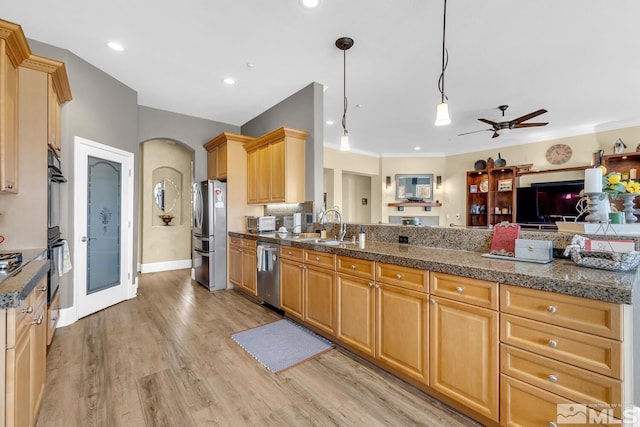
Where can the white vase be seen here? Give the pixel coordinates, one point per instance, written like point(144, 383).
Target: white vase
point(604, 208)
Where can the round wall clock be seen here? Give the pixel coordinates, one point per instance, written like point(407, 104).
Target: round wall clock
point(558, 154)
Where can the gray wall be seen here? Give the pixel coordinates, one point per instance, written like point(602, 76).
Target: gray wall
point(191, 131)
point(304, 110)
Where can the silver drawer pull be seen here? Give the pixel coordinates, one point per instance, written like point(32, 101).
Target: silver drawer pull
point(377, 286)
point(289, 252)
point(353, 266)
point(552, 309)
point(459, 289)
point(553, 343)
point(552, 424)
point(317, 258)
point(38, 321)
point(553, 378)
point(43, 289)
point(433, 301)
point(27, 310)
point(370, 285)
point(398, 276)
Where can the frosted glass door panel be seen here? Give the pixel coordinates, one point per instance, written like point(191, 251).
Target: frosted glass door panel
point(104, 209)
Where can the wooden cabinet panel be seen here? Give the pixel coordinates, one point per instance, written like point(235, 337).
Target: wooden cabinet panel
point(18, 386)
point(278, 167)
point(357, 267)
point(401, 330)
point(235, 265)
point(321, 259)
point(252, 176)
point(249, 272)
point(263, 168)
point(320, 298)
point(406, 277)
point(8, 122)
point(53, 118)
point(587, 351)
point(291, 287)
point(464, 289)
point(38, 338)
point(221, 162)
point(356, 313)
point(212, 164)
point(463, 354)
point(560, 378)
point(585, 315)
point(53, 314)
point(295, 254)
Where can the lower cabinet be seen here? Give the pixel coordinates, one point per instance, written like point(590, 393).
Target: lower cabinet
point(319, 298)
point(242, 264)
point(249, 272)
point(291, 287)
point(26, 358)
point(356, 313)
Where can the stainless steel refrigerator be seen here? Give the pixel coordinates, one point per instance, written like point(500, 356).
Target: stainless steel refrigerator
point(210, 234)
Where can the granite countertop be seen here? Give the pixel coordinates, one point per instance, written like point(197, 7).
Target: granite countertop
point(20, 283)
point(560, 276)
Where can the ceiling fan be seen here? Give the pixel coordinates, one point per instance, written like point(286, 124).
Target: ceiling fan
point(500, 128)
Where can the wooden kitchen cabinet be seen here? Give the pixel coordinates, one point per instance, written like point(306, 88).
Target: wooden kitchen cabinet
point(242, 264)
point(53, 314)
point(319, 298)
point(276, 167)
point(356, 313)
point(26, 358)
point(491, 196)
point(8, 119)
point(217, 154)
point(53, 118)
point(235, 261)
point(292, 287)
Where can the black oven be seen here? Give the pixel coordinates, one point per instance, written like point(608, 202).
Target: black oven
point(55, 243)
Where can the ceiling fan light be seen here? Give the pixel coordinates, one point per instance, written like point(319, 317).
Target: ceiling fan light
point(442, 115)
point(504, 131)
point(344, 143)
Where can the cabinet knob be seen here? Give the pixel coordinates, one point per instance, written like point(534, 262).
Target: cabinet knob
point(552, 309)
point(43, 289)
point(27, 310)
point(353, 267)
point(553, 343)
point(553, 378)
point(377, 286)
point(301, 266)
point(10, 186)
point(289, 252)
point(317, 258)
point(370, 285)
point(38, 321)
point(459, 289)
point(432, 301)
point(398, 276)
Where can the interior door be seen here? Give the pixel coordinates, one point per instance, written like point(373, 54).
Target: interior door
point(103, 194)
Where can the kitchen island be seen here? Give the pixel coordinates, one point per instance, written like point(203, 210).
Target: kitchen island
point(502, 341)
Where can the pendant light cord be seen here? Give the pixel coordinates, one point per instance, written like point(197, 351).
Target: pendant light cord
point(445, 55)
point(344, 92)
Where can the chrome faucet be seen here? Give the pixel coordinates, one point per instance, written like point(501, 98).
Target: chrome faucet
point(343, 226)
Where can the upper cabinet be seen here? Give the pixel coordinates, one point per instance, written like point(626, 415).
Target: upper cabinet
point(275, 167)
point(218, 157)
point(491, 196)
point(13, 50)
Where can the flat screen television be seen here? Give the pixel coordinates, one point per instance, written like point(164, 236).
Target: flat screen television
point(548, 202)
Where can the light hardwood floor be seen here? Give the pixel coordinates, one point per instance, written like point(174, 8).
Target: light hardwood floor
point(166, 358)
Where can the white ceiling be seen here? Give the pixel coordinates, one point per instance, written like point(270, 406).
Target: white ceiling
point(578, 59)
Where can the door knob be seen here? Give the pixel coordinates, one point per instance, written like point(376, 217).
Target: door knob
point(86, 239)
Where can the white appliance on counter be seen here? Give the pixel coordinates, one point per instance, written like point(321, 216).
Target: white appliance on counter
point(210, 234)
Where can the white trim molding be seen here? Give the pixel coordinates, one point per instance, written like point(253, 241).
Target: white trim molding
point(154, 267)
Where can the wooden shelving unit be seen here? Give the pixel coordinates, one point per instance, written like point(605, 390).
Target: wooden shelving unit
point(426, 205)
point(494, 198)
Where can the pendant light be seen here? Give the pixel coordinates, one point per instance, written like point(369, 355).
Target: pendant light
point(442, 113)
point(344, 43)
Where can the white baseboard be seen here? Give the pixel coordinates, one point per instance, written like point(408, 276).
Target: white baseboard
point(165, 266)
point(67, 317)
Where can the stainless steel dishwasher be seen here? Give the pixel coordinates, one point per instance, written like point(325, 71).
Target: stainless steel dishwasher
point(268, 266)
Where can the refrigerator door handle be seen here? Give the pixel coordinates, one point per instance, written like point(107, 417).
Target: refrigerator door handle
point(201, 252)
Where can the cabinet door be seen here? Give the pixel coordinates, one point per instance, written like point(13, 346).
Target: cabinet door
point(221, 162)
point(252, 176)
point(320, 298)
point(278, 184)
point(264, 175)
point(249, 272)
point(235, 265)
point(18, 388)
point(463, 354)
point(356, 310)
point(38, 356)
point(212, 165)
point(8, 123)
point(53, 314)
point(291, 287)
point(401, 330)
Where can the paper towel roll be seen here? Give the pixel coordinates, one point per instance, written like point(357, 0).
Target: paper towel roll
point(297, 223)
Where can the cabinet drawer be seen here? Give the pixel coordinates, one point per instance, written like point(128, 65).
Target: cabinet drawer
point(591, 352)
point(464, 289)
point(321, 259)
point(248, 244)
point(355, 266)
point(583, 314)
point(406, 277)
point(565, 380)
point(19, 319)
point(295, 254)
point(235, 241)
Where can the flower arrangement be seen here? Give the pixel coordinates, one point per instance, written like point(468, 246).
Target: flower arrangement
point(613, 185)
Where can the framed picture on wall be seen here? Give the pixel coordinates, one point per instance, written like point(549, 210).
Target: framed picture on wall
point(415, 186)
point(473, 189)
point(504, 185)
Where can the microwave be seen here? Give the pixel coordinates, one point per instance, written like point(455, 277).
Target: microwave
point(261, 224)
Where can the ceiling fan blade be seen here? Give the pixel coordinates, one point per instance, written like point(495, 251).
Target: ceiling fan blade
point(529, 125)
point(526, 117)
point(489, 122)
point(495, 134)
point(475, 131)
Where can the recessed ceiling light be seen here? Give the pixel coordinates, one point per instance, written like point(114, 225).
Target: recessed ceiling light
point(250, 64)
point(329, 122)
point(115, 46)
point(229, 81)
point(310, 4)
point(417, 148)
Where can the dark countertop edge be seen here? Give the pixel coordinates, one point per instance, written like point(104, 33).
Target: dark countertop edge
point(19, 285)
point(568, 287)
